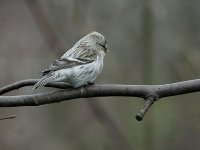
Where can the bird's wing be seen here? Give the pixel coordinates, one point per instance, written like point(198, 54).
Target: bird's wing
point(80, 54)
point(81, 50)
point(64, 63)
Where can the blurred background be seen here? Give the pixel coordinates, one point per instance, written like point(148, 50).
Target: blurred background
point(151, 42)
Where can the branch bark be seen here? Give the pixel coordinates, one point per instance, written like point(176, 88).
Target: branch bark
point(150, 93)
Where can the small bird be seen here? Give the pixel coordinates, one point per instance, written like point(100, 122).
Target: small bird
point(80, 65)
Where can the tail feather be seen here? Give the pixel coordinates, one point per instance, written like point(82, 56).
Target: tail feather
point(43, 81)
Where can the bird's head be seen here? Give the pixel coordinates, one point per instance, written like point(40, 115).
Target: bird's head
point(99, 40)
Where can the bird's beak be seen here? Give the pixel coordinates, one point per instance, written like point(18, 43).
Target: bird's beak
point(106, 48)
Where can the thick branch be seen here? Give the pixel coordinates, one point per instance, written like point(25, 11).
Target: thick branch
point(143, 91)
point(68, 94)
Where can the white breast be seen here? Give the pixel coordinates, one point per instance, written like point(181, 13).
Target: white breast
point(82, 75)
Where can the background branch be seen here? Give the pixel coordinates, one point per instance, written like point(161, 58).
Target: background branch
point(10, 117)
point(148, 92)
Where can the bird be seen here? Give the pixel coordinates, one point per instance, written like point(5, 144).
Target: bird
point(80, 65)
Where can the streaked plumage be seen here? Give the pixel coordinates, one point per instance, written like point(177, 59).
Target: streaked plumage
point(80, 65)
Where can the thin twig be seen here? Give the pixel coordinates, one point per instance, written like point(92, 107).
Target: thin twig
point(149, 101)
point(30, 82)
point(10, 117)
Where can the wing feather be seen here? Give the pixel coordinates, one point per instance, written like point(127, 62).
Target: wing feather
point(64, 63)
point(80, 54)
point(81, 51)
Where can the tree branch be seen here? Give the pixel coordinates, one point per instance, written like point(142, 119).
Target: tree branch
point(10, 117)
point(150, 93)
point(30, 82)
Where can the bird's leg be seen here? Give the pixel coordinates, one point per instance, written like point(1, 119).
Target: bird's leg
point(84, 87)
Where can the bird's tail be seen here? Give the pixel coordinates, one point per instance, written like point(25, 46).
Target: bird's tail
point(43, 81)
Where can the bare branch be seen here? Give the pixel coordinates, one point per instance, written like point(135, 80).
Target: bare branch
point(149, 101)
point(68, 94)
point(148, 92)
point(30, 82)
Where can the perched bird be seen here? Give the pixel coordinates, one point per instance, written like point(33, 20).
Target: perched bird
point(80, 65)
